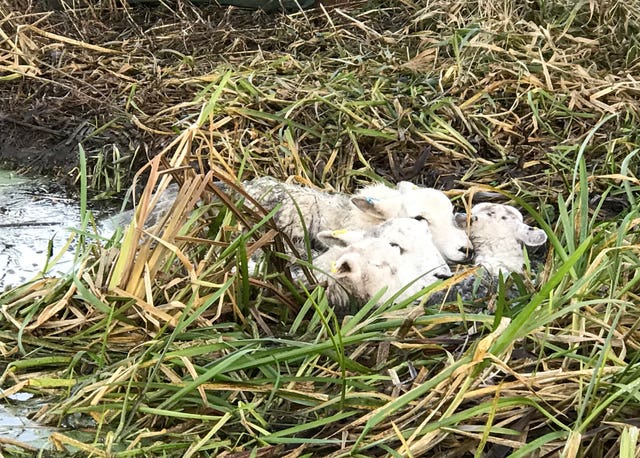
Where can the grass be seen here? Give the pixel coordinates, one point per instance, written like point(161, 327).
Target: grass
point(162, 344)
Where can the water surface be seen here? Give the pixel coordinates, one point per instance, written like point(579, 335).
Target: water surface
point(35, 222)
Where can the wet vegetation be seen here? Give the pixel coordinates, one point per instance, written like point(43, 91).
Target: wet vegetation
point(162, 344)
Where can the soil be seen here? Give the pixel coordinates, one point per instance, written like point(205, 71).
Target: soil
point(36, 148)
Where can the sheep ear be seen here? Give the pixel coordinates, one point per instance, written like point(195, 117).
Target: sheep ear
point(345, 266)
point(340, 238)
point(460, 220)
point(406, 186)
point(531, 236)
point(373, 207)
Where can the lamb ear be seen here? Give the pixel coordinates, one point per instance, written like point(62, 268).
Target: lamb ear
point(340, 237)
point(345, 266)
point(460, 220)
point(373, 207)
point(531, 236)
point(406, 186)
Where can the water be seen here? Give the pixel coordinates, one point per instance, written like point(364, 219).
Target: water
point(34, 222)
point(36, 226)
point(15, 425)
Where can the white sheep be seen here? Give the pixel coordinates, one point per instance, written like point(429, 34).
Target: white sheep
point(429, 204)
point(396, 254)
point(498, 233)
point(372, 205)
point(358, 271)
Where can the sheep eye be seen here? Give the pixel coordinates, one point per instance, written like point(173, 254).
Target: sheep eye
point(504, 217)
point(420, 218)
point(395, 245)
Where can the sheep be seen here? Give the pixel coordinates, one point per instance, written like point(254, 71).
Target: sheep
point(370, 206)
point(498, 233)
point(398, 253)
point(305, 210)
point(422, 203)
point(360, 270)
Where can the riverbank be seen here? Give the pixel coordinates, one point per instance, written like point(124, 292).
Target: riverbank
point(119, 82)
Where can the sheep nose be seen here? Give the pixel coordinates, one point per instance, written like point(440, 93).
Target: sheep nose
point(468, 252)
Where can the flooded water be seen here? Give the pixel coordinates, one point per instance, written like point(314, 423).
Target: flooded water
point(15, 425)
point(34, 229)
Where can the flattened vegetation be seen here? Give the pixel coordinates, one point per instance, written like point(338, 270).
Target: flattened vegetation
point(166, 342)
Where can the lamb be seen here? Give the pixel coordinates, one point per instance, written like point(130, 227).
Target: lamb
point(305, 209)
point(371, 205)
point(429, 204)
point(498, 233)
point(398, 253)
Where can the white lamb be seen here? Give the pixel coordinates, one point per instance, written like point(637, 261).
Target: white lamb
point(396, 254)
point(429, 204)
point(498, 234)
point(322, 211)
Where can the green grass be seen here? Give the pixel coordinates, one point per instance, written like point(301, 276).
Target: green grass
point(170, 348)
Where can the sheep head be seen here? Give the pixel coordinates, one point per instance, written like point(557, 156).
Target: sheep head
point(396, 253)
point(428, 204)
point(361, 269)
point(498, 232)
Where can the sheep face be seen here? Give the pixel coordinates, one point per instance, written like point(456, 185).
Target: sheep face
point(422, 203)
point(362, 269)
point(436, 208)
point(413, 259)
point(498, 232)
point(510, 219)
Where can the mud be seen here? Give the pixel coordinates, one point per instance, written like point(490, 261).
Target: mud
point(33, 148)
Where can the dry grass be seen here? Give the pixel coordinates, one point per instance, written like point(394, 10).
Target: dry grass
point(170, 347)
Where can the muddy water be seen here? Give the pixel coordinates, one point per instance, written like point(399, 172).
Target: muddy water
point(34, 227)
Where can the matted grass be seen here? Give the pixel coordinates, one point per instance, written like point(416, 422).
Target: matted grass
point(162, 344)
